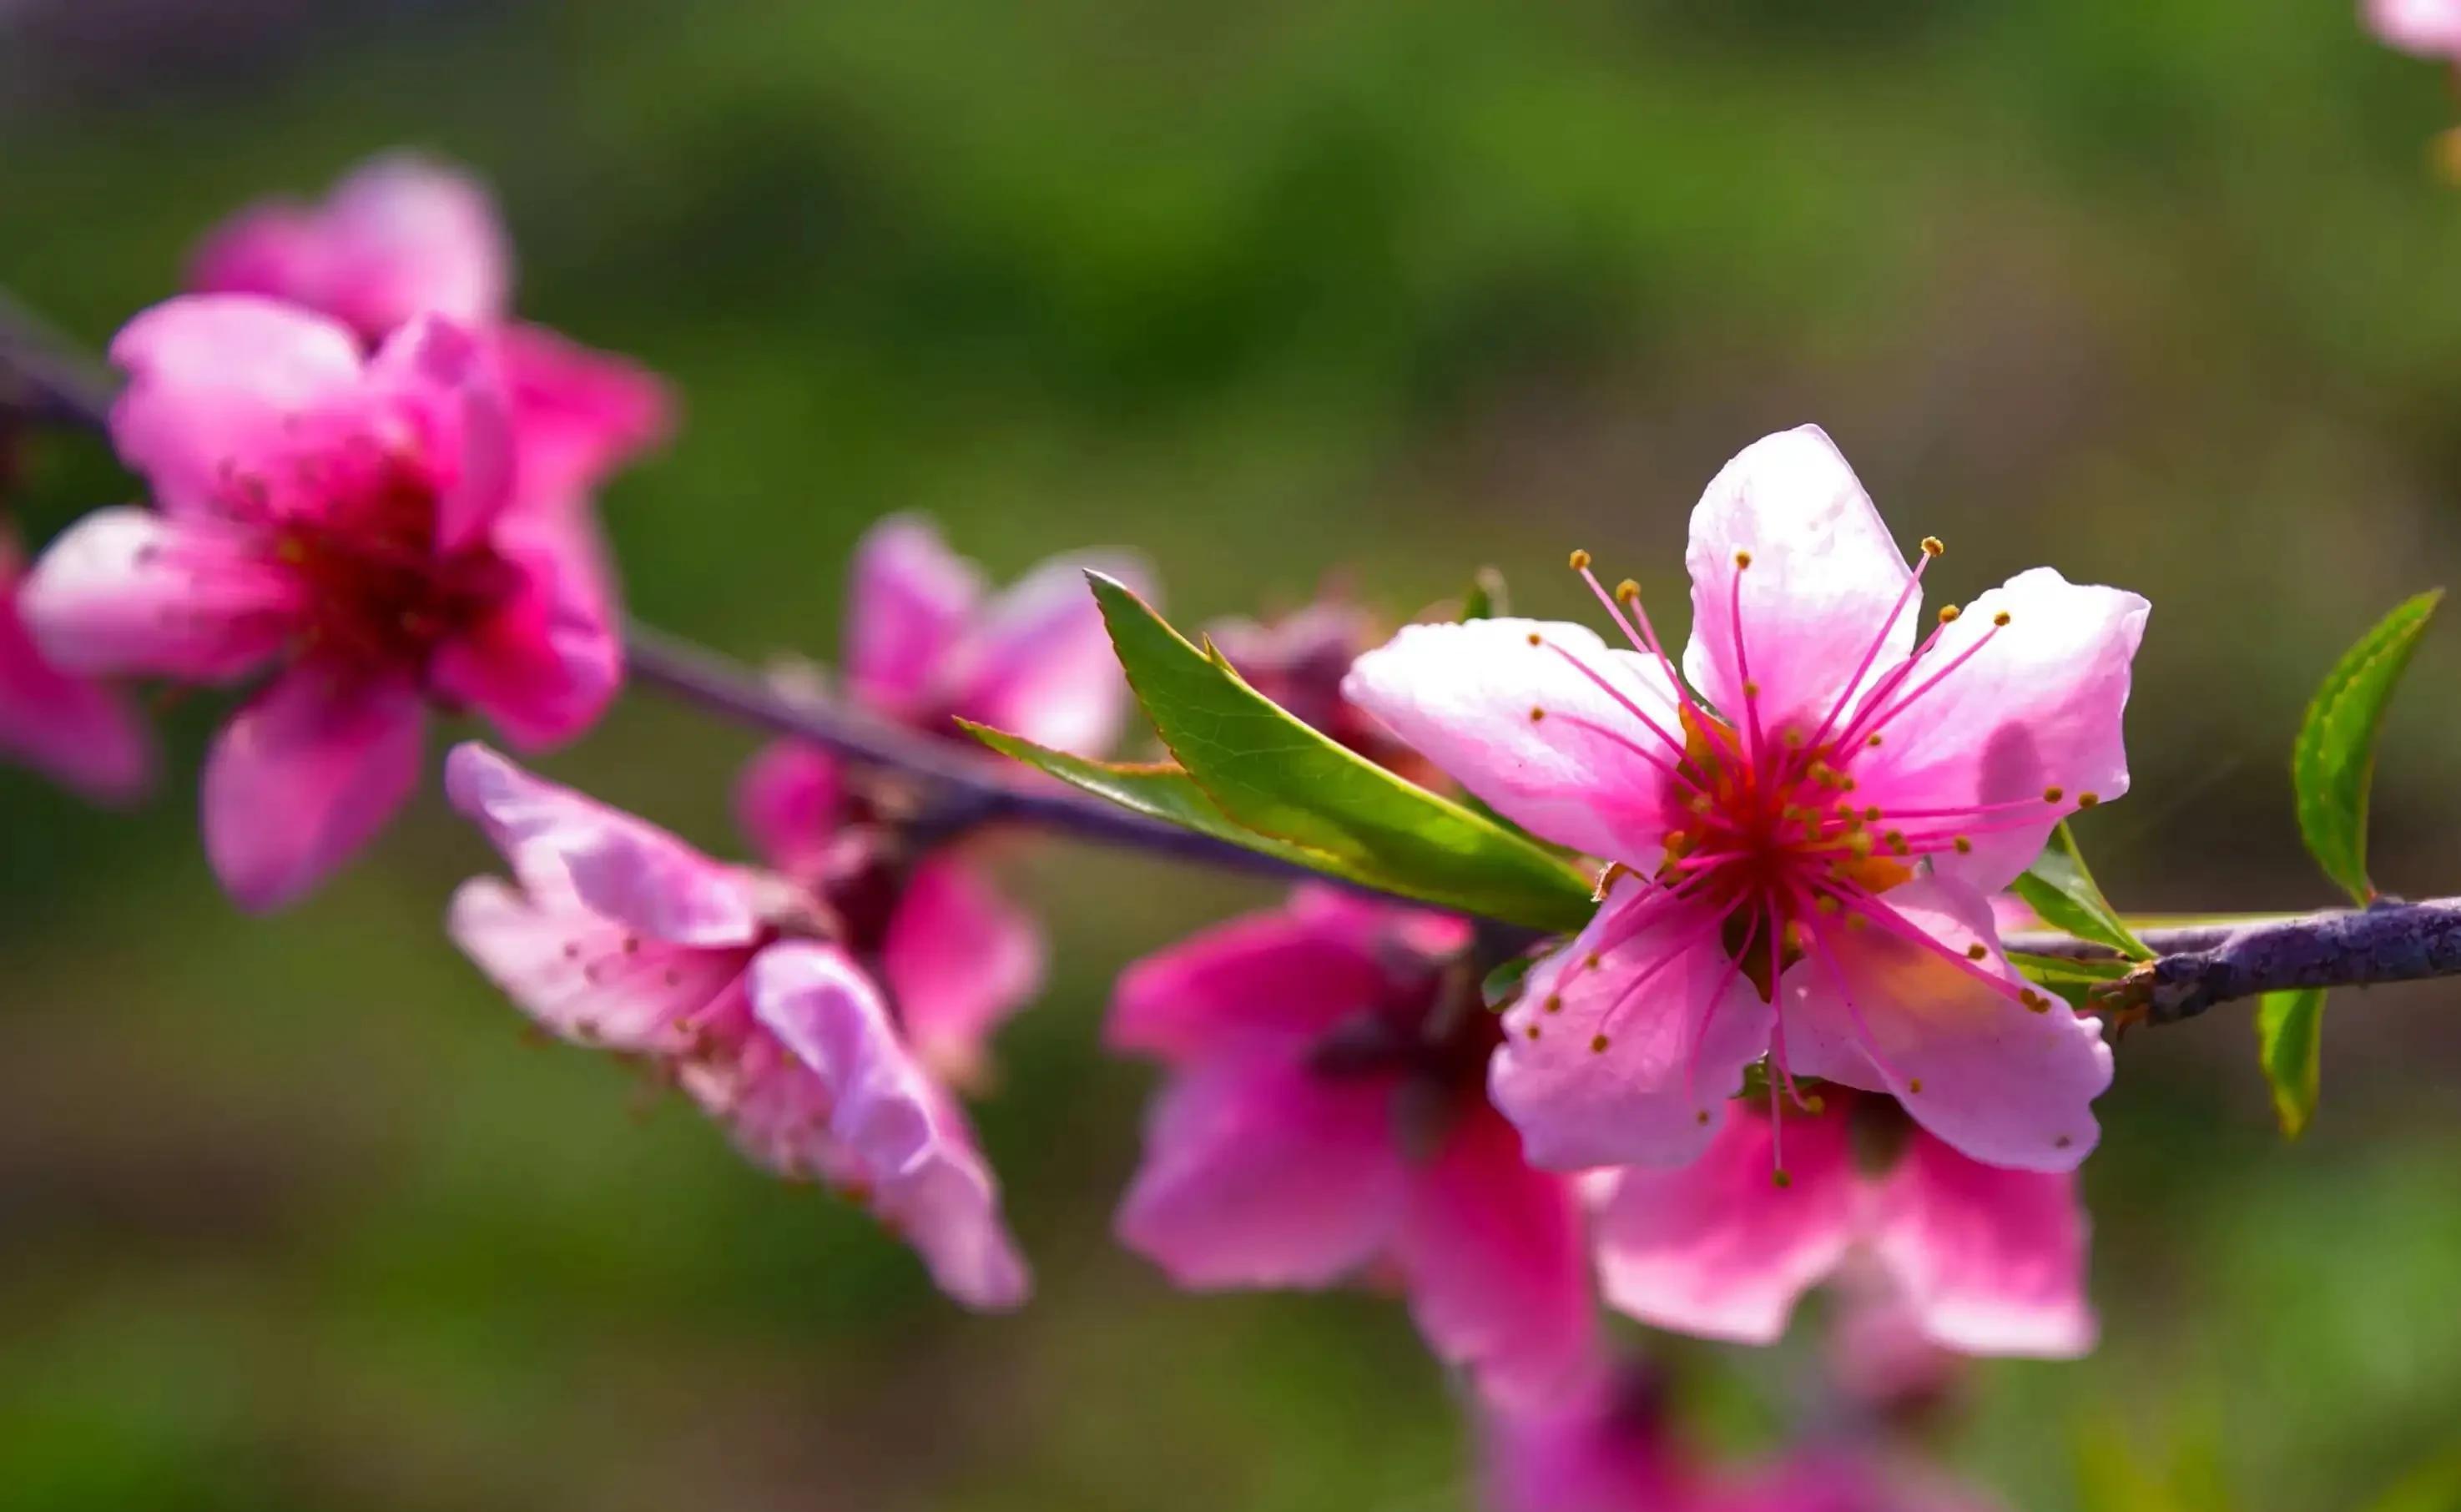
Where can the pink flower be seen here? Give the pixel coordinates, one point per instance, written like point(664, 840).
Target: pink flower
point(1845, 1481)
point(745, 986)
point(1834, 808)
point(1325, 1116)
point(348, 523)
point(2427, 27)
point(1606, 1447)
point(402, 237)
point(72, 728)
point(1986, 1261)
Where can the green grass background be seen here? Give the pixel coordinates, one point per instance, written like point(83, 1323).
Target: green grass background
point(2162, 291)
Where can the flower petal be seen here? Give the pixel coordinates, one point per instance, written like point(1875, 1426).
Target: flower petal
point(128, 591)
point(1825, 580)
point(959, 958)
point(2033, 708)
point(1274, 977)
point(585, 978)
point(2427, 27)
point(908, 607)
point(445, 377)
point(76, 730)
point(1991, 1261)
point(1717, 1247)
point(928, 1181)
point(2001, 1082)
point(1038, 662)
point(214, 380)
point(545, 660)
point(618, 867)
point(1260, 1172)
point(1505, 707)
point(787, 803)
point(1604, 1065)
point(1493, 1256)
point(304, 777)
point(578, 413)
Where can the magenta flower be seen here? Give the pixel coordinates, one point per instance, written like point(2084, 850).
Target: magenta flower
point(72, 728)
point(1606, 1447)
point(745, 986)
point(1832, 810)
point(1326, 1118)
point(2427, 27)
point(348, 523)
point(1985, 1260)
point(402, 237)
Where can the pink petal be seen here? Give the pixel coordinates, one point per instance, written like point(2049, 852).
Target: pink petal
point(1260, 1172)
point(127, 591)
point(585, 978)
point(787, 803)
point(78, 731)
point(275, 249)
point(1656, 1092)
point(1505, 706)
point(1279, 977)
point(1493, 1256)
point(959, 958)
point(2036, 709)
point(2000, 1081)
point(446, 377)
point(578, 413)
point(215, 382)
point(1038, 662)
point(1717, 1247)
point(1823, 1480)
point(1992, 1260)
point(1606, 1448)
point(545, 660)
point(622, 868)
point(928, 1179)
point(1823, 579)
point(303, 777)
point(2427, 27)
point(909, 601)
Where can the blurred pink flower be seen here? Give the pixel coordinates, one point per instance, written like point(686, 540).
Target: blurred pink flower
point(1838, 823)
point(70, 729)
point(746, 987)
point(2427, 27)
point(1606, 1447)
point(1850, 1481)
point(1325, 1117)
point(349, 520)
point(1987, 1261)
point(402, 237)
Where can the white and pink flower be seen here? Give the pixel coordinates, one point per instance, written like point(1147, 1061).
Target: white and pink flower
point(750, 988)
point(1805, 848)
point(72, 728)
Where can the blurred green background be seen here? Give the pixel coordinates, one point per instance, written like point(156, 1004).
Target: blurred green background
point(2160, 290)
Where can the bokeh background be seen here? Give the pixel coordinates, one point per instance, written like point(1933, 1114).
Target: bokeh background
point(2161, 291)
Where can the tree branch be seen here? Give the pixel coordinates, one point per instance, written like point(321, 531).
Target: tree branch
point(43, 378)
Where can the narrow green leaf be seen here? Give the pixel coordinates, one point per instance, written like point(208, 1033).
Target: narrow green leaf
point(2334, 764)
point(2059, 887)
point(1267, 770)
point(2290, 1043)
point(1500, 986)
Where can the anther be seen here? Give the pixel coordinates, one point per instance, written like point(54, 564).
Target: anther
point(1536, 714)
point(1857, 922)
point(2088, 800)
point(1580, 559)
point(1752, 690)
point(1531, 1032)
point(1933, 546)
point(1976, 951)
point(1813, 1105)
point(1533, 638)
point(1896, 839)
point(1628, 590)
point(2052, 795)
point(1555, 1003)
point(1916, 1086)
point(1597, 1044)
point(1823, 904)
point(1964, 846)
point(1872, 814)
point(1948, 613)
point(2000, 618)
point(1743, 559)
point(2062, 1142)
point(1593, 962)
point(1780, 1180)
point(1702, 1117)
point(1875, 740)
point(2034, 1000)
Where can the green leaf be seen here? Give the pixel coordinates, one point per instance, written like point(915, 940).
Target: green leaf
point(2290, 1043)
point(2071, 979)
point(1267, 770)
point(1500, 986)
point(2334, 762)
point(1486, 598)
point(2059, 887)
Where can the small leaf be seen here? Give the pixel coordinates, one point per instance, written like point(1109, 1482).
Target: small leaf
point(1486, 598)
point(2334, 764)
point(2059, 887)
point(2071, 979)
point(2290, 1043)
point(1267, 770)
point(1500, 986)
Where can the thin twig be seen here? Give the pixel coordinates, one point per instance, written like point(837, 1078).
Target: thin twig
point(44, 379)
